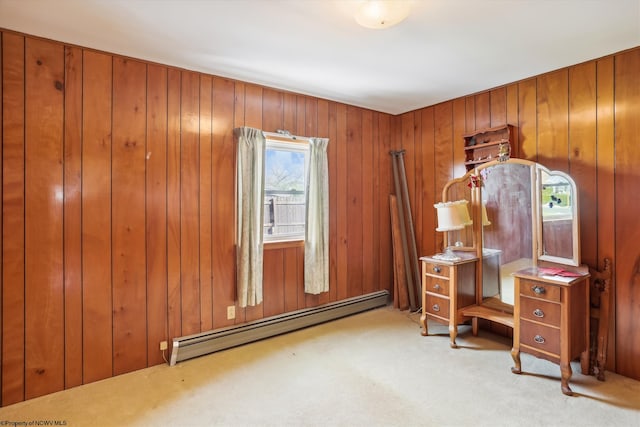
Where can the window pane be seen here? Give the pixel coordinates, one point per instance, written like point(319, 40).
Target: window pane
point(284, 208)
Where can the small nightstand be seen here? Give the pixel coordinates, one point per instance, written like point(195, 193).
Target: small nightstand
point(447, 286)
point(551, 320)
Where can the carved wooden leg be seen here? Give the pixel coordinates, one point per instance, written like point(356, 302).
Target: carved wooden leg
point(423, 323)
point(453, 333)
point(566, 372)
point(474, 326)
point(515, 355)
point(584, 362)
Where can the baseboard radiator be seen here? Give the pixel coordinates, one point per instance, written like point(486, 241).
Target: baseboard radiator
point(191, 346)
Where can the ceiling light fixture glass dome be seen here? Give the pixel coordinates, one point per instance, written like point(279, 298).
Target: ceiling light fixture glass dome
point(379, 14)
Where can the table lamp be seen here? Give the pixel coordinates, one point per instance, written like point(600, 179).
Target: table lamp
point(452, 216)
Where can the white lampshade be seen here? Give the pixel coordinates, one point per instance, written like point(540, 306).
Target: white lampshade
point(378, 14)
point(449, 216)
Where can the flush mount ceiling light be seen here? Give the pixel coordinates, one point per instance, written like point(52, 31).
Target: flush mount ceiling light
point(379, 14)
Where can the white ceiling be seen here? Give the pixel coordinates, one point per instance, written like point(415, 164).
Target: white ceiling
point(443, 50)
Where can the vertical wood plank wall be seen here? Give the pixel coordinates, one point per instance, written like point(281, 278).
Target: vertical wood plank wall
point(118, 198)
point(118, 209)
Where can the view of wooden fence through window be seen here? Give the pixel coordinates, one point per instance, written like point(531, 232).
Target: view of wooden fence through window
point(284, 213)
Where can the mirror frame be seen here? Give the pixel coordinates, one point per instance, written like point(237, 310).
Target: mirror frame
point(575, 227)
point(538, 250)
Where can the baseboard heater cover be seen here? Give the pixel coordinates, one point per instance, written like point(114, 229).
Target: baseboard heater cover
point(191, 346)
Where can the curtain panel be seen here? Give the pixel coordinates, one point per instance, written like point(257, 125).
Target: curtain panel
point(250, 199)
point(316, 243)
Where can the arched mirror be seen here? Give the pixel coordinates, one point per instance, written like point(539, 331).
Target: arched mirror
point(521, 213)
point(558, 233)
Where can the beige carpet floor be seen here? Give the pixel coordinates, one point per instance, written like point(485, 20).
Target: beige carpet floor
point(371, 369)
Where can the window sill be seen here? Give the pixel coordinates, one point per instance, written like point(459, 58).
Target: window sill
point(283, 244)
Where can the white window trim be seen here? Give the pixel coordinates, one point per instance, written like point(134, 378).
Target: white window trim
point(295, 144)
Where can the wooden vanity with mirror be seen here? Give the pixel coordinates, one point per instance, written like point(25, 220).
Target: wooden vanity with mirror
point(525, 245)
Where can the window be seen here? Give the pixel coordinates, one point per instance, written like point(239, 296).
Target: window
point(285, 173)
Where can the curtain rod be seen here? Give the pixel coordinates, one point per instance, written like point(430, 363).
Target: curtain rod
point(281, 134)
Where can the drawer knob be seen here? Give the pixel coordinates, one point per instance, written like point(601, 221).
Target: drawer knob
point(437, 269)
point(436, 307)
point(437, 287)
point(538, 313)
point(539, 339)
point(538, 290)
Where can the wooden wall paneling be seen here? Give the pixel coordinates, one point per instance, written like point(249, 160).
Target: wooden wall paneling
point(253, 118)
point(482, 110)
point(13, 219)
point(189, 203)
point(289, 112)
point(459, 129)
point(272, 110)
point(443, 133)
point(418, 201)
point(605, 152)
point(368, 232)
point(332, 159)
point(223, 212)
point(128, 215)
point(470, 113)
point(273, 282)
point(44, 279)
point(156, 211)
point(354, 202)
point(97, 299)
point(527, 122)
point(290, 266)
point(627, 235)
point(582, 154)
point(322, 132)
point(1, 221)
point(512, 118)
point(206, 191)
point(174, 303)
point(553, 120)
point(299, 270)
point(311, 117)
point(431, 193)
point(498, 106)
point(72, 192)
point(385, 183)
point(341, 205)
point(300, 124)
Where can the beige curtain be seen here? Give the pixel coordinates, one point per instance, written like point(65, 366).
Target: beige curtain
point(316, 244)
point(250, 199)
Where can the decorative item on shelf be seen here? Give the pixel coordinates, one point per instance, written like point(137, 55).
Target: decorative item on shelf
point(452, 216)
point(504, 152)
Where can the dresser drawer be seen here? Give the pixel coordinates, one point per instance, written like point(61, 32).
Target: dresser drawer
point(436, 269)
point(437, 285)
point(540, 337)
point(542, 290)
point(437, 306)
point(540, 311)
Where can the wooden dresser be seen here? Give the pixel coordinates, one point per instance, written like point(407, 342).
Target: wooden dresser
point(551, 320)
point(448, 286)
